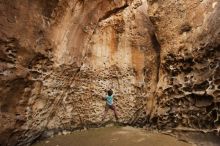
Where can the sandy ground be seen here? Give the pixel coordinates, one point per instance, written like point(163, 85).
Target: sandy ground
point(113, 136)
point(199, 138)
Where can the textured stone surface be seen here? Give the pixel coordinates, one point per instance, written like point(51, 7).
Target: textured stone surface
point(187, 93)
point(161, 58)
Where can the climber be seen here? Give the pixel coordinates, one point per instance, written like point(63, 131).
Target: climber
point(109, 105)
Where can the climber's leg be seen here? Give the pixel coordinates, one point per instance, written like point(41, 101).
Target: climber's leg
point(115, 112)
point(105, 112)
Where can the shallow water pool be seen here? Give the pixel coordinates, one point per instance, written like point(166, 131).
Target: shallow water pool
point(113, 136)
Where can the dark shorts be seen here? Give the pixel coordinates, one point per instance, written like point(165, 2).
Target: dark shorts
point(107, 107)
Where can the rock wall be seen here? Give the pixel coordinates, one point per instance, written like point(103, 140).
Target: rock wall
point(161, 58)
point(188, 90)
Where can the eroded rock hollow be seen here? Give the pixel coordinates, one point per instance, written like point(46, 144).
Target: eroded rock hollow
point(57, 58)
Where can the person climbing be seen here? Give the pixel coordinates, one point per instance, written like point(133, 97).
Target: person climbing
point(109, 105)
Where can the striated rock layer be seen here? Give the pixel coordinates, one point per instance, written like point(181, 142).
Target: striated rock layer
point(161, 58)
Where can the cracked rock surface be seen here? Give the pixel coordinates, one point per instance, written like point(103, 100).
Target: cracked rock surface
point(57, 58)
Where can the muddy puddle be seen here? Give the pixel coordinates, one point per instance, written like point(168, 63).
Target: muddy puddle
point(113, 136)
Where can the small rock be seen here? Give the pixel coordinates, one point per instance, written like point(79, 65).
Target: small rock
point(47, 141)
point(65, 132)
point(109, 125)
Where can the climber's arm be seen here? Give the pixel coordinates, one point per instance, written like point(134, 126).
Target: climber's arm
point(104, 97)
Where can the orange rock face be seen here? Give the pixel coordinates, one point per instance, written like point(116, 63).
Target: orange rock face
point(161, 59)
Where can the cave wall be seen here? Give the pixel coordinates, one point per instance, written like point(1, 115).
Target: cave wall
point(59, 57)
point(161, 58)
point(188, 90)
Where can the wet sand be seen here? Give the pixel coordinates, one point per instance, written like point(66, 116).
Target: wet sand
point(199, 138)
point(113, 136)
